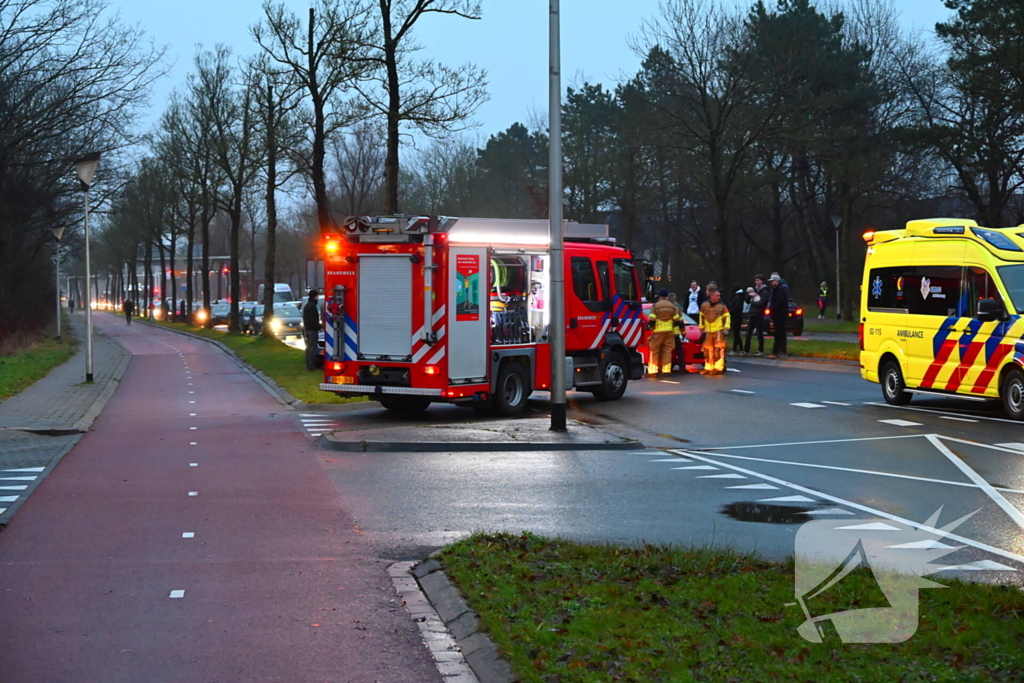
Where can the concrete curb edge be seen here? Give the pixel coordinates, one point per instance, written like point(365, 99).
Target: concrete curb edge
point(93, 412)
point(462, 622)
point(331, 443)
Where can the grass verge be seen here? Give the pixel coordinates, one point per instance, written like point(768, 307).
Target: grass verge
point(282, 363)
point(23, 368)
point(566, 612)
point(814, 348)
point(832, 325)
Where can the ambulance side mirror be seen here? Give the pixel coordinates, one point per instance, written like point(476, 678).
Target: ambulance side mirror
point(989, 310)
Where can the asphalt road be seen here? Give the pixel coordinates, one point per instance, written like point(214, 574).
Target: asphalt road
point(740, 460)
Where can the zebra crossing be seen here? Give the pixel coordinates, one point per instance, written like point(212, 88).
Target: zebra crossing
point(316, 424)
point(14, 482)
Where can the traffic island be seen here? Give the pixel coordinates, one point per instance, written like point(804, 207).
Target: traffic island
point(524, 434)
point(560, 611)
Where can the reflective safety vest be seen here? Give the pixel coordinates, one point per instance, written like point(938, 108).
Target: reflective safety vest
point(665, 315)
point(714, 317)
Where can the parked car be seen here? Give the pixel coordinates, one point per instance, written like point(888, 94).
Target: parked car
point(287, 320)
point(794, 323)
point(689, 349)
point(219, 314)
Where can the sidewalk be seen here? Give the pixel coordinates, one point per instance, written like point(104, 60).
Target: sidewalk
point(41, 424)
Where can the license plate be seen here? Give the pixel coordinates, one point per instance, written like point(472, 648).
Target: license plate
point(341, 379)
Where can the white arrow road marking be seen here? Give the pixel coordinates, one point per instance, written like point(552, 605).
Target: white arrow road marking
point(989, 490)
point(981, 565)
point(864, 508)
point(788, 499)
point(696, 467)
point(870, 526)
point(926, 544)
point(828, 511)
point(807, 405)
point(755, 487)
point(722, 476)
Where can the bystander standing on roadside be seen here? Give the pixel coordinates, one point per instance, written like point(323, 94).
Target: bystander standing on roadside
point(822, 300)
point(755, 322)
point(736, 304)
point(694, 298)
point(311, 329)
point(779, 306)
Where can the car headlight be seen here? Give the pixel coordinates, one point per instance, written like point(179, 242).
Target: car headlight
point(275, 325)
point(201, 316)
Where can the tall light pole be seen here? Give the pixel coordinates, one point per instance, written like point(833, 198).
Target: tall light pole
point(86, 169)
point(837, 220)
point(557, 293)
point(58, 232)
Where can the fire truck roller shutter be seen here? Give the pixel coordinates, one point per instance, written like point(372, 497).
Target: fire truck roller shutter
point(385, 307)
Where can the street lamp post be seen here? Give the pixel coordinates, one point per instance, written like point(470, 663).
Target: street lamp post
point(557, 292)
point(86, 169)
point(58, 232)
point(837, 220)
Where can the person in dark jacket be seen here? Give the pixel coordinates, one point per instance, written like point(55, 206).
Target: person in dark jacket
point(779, 306)
point(755, 323)
point(310, 329)
point(736, 303)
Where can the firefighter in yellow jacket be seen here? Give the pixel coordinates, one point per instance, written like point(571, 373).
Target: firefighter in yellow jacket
point(663, 320)
point(714, 321)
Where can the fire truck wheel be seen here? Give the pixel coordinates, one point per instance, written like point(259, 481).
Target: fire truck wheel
point(614, 374)
point(410, 405)
point(512, 390)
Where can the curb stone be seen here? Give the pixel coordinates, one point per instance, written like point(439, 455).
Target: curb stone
point(85, 422)
point(480, 652)
point(449, 658)
point(331, 443)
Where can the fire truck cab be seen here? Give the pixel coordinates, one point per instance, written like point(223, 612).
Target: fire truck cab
point(456, 310)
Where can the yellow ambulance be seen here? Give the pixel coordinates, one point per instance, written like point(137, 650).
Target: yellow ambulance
point(941, 305)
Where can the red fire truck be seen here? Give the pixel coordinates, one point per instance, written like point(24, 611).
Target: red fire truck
point(455, 310)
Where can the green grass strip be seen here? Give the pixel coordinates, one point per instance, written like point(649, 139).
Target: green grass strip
point(22, 369)
point(831, 325)
point(567, 612)
point(814, 348)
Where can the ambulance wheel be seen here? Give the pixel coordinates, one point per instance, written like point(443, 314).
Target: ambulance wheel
point(1012, 393)
point(893, 386)
point(512, 390)
point(408, 405)
point(614, 376)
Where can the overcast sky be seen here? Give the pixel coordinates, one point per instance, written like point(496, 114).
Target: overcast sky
point(510, 42)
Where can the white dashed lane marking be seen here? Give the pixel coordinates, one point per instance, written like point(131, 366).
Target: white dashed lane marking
point(177, 594)
point(836, 403)
point(741, 391)
point(788, 499)
point(807, 405)
point(755, 487)
point(900, 423)
point(696, 467)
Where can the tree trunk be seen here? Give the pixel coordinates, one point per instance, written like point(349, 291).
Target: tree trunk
point(163, 273)
point(236, 288)
point(189, 261)
point(323, 214)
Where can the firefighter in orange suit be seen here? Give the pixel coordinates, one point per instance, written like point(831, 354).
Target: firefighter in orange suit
point(663, 320)
point(714, 321)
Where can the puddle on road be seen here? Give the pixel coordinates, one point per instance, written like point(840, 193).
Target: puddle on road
point(768, 514)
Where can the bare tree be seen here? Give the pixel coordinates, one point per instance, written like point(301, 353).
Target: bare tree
point(358, 161)
point(431, 97)
point(227, 111)
point(322, 59)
